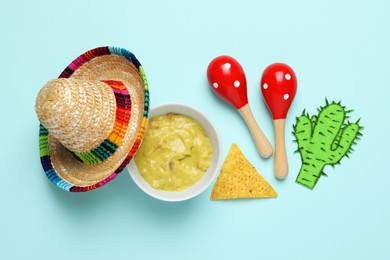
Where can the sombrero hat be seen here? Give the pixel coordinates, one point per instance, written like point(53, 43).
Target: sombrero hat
point(92, 118)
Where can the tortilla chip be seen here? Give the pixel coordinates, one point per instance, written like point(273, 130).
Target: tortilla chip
point(239, 179)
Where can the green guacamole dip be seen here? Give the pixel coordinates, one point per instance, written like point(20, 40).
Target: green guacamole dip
point(175, 152)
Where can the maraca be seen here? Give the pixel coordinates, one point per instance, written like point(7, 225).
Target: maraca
point(228, 81)
point(279, 85)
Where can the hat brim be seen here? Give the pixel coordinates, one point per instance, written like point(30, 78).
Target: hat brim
point(103, 63)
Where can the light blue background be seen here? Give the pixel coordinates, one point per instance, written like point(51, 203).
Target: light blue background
point(338, 49)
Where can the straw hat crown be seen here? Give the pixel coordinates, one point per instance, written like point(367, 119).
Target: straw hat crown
point(78, 113)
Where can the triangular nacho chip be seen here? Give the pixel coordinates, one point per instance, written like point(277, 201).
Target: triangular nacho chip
point(239, 179)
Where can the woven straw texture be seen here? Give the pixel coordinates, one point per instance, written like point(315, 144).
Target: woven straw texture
point(58, 158)
point(78, 113)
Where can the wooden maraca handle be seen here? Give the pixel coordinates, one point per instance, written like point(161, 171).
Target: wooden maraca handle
point(263, 145)
point(280, 162)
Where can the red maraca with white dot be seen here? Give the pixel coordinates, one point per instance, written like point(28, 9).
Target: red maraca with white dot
point(227, 79)
point(279, 85)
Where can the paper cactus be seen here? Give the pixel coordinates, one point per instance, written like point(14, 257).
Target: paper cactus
point(324, 139)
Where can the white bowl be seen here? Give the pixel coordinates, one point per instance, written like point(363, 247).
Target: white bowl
point(209, 175)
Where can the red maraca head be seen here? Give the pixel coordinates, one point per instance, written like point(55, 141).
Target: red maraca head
point(278, 85)
point(228, 81)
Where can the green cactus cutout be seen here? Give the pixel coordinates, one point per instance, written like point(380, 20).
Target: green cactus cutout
point(324, 139)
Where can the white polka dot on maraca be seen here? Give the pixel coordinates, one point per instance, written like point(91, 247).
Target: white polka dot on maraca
point(265, 86)
point(227, 65)
point(215, 85)
point(286, 96)
point(287, 76)
point(237, 83)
